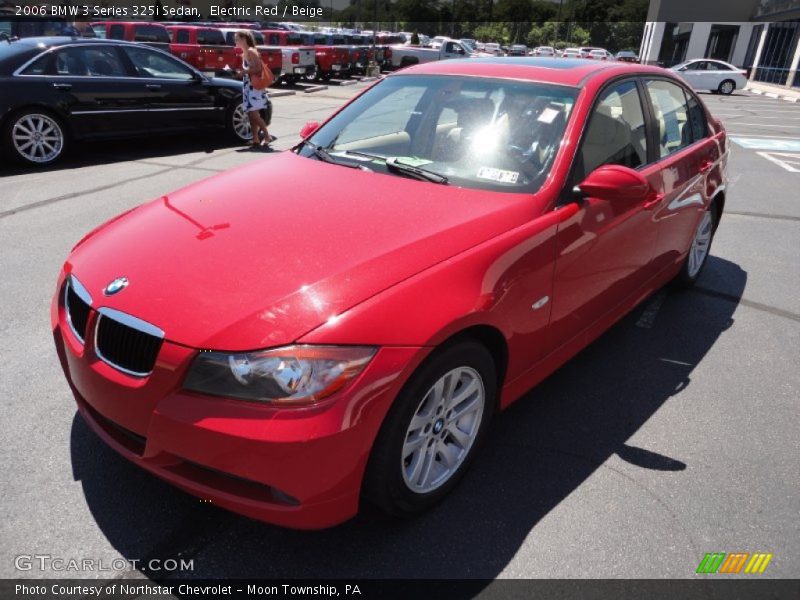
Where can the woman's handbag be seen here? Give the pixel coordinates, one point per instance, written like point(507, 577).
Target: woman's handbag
point(264, 79)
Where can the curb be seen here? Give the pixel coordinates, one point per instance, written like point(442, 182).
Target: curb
point(772, 95)
point(315, 88)
point(367, 79)
point(279, 93)
point(344, 82)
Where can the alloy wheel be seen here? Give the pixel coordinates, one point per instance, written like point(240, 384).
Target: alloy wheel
point(241, 123)
point(726, 87)
point(37, 138)
point(700, 245)
point(443, 430)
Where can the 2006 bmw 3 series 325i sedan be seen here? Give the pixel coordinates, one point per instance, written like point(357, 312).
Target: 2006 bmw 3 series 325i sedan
point(464, 229)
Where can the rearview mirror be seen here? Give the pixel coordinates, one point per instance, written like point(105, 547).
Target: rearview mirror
point(616, 183)
point(308, 129)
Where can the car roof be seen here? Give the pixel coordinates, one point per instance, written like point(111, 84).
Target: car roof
point(63, 40)
point(570, 71)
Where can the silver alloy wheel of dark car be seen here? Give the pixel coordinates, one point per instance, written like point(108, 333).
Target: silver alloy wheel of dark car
point(241, 124)
point(727, 87)
point(37, 138)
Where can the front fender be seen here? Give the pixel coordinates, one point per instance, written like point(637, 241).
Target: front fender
point(500, 283)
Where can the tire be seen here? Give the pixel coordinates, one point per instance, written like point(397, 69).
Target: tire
point(727, 87)
point(237, 123)
point(691, 269)
point(416, 437)
point(35, 137)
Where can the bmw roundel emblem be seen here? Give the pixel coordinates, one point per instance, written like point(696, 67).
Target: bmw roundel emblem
point(119, 284)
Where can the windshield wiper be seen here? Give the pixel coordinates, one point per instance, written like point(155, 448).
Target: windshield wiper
point(399, 167)
point(325, 156)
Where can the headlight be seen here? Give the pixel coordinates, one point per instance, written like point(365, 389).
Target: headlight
point(288, 376)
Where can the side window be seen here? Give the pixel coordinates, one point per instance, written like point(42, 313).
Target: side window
point(696, 66)
point(697, 118)
point(673, 131)
point(89, 61)
point(616, 134)
point(116, 32)
point(39, 66)
point(156, 65)
point(182, 37)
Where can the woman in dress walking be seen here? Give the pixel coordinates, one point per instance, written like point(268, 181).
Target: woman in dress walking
point(253, 100)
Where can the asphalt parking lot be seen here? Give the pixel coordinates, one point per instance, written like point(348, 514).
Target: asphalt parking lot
point(673, 435)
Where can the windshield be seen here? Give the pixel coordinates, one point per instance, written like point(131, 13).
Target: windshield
point(467, 45)
point(478, 133)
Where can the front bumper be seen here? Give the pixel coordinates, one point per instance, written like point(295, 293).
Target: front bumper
point(299, 468)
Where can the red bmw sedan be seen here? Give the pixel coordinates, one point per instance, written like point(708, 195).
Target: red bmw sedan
point(464, 229)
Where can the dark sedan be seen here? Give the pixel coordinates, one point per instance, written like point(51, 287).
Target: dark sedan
point(58, 90)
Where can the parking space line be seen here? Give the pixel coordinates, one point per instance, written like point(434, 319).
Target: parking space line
point(744, 302)
point(787, 160)
point(78, 194)
point(650, 313)
point(761, 215)
point(765, 125)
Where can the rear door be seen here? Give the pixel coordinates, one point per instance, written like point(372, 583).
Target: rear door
point(687, 157)
point(177, 97)
point(93, 84)
point(605, 250)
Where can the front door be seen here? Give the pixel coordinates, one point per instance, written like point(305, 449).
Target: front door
point(177, 97)
point(604, 250)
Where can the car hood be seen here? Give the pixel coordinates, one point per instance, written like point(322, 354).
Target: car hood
point(260, 255)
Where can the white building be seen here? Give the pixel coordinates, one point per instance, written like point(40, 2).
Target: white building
point(762, 36)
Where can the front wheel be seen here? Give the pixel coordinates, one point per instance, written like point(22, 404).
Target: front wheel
point(699, 250)
point(726, 87)
point(430, 435)
point(35, 137)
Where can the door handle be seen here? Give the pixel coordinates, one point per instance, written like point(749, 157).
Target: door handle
point(64, 87)
point(705, 166)
point(153, 87)
point(653, 201)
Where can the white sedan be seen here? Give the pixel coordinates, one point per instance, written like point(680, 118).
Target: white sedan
point(714, 75)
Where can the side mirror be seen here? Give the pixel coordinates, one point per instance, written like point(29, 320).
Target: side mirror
point(616, 183)
point(308, 129)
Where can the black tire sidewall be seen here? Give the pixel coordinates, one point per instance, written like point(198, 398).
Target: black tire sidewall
point(384, 484)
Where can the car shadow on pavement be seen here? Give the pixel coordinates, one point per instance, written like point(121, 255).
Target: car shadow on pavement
point(537, 453)
point(88, 154)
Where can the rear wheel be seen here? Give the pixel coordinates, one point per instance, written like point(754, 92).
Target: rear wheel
point(431, 434)
point(726, 87)
point(35, 137)
point(238, 123)
point(700, 248)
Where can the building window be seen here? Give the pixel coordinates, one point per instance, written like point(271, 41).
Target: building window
point(779, 48)
point(674, 44)
point(722, 41)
